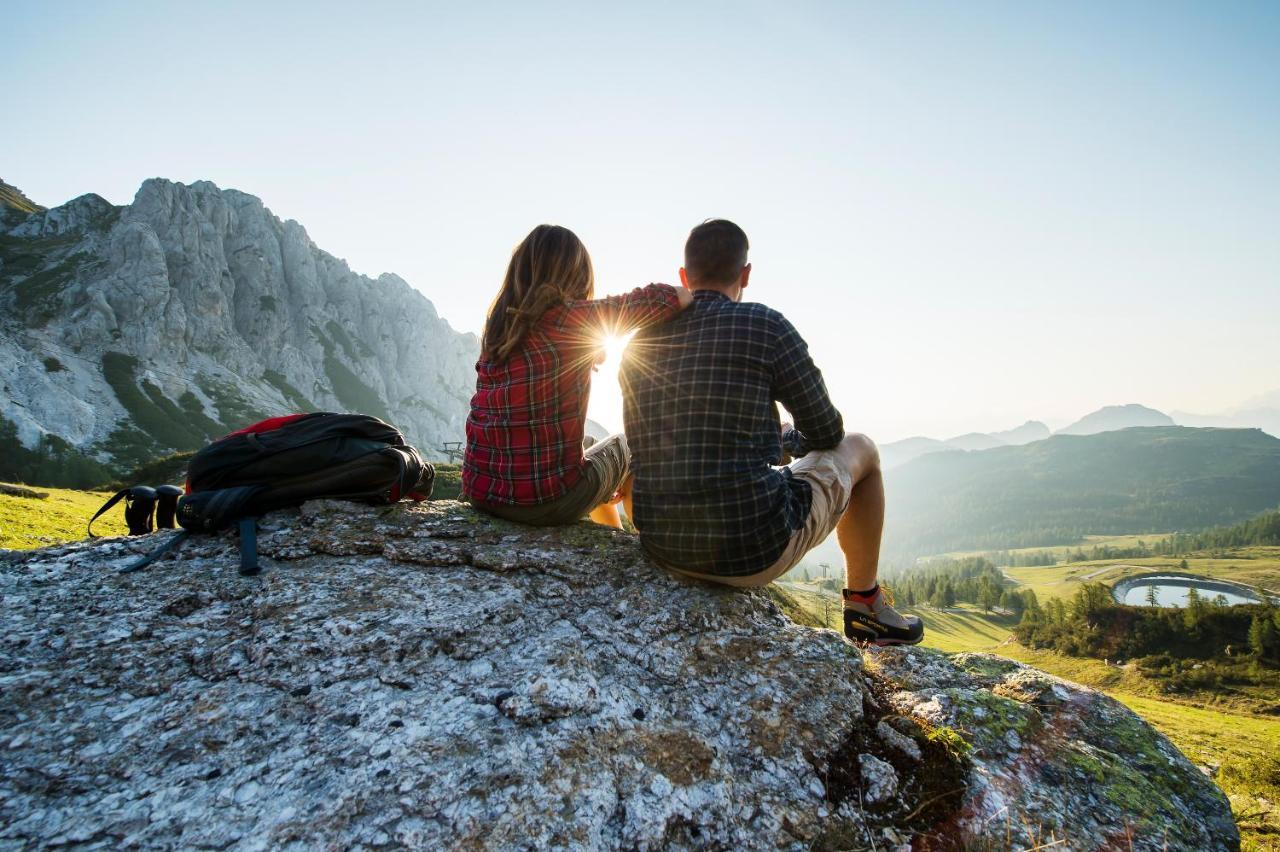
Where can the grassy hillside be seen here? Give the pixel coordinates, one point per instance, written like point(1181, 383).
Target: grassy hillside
point(1063, 550)
point(26, 522)
point(1058, 490)
point(12, 198)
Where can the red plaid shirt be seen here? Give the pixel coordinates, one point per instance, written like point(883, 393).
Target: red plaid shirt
point(524, 433)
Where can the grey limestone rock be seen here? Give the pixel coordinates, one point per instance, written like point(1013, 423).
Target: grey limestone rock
point(227, 312)
point(423, 676)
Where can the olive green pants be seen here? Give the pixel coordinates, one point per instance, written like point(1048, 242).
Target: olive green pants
point(608, 462)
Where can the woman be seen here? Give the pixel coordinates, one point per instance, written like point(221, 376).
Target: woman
point(524, 459)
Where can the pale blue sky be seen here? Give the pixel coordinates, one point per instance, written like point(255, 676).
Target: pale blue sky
point(976, 213)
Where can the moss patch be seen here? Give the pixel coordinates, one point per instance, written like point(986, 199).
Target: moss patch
point(987, 718)
point(448, 484)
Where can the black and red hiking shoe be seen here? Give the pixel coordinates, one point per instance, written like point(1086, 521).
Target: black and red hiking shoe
point(872, 619)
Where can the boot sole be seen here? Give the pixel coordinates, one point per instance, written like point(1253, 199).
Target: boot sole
point(885, 642)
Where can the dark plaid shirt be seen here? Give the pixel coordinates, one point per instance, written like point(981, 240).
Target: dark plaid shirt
point(524, 432)
point(699, 397)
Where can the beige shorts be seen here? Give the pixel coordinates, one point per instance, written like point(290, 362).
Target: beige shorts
point(830, 477)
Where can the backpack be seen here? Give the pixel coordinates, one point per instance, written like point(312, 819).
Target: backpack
point(285, 461)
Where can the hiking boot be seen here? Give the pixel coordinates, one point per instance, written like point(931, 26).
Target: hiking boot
point(167, 506)
point(873, 619)
point(139, 505)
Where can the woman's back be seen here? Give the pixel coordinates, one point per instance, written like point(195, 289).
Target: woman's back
point(528, 415)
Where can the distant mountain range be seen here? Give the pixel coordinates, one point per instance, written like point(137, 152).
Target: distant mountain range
point(900, 452)
point(130, 331)
point(1139, 479)
point(1262, 412)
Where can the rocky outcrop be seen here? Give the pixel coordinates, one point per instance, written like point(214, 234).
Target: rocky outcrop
point(129, 331)
point(423, 676)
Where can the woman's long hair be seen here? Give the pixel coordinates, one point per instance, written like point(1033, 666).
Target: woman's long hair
point(550, 267)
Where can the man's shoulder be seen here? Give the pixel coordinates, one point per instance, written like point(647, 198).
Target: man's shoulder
point(762, 310)
point(755, 312)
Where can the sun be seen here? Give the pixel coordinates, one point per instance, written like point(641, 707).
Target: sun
point(605, 406)
point(614, 346)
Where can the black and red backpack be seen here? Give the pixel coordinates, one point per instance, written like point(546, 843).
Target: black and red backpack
point(285, 461)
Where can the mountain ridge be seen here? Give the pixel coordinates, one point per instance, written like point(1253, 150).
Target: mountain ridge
point(14, 203)
point(1055, 491)
point(897, 453)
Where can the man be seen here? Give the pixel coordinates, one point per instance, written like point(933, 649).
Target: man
point(699, 405)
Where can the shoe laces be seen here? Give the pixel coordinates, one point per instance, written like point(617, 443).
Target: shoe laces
point(888, 594)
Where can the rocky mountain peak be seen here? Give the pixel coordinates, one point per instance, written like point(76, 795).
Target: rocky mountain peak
point(426, 676)
point(132, 331)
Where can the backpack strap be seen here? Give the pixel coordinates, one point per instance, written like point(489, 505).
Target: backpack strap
point(249, 547)
point(116, 498)
point(173, 542)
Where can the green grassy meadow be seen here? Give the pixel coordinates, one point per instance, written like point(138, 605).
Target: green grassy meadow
point(27, 522)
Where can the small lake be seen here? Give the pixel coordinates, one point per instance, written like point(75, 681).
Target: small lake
point(1173, 590)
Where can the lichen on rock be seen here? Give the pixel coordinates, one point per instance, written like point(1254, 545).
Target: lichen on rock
point(428, 677)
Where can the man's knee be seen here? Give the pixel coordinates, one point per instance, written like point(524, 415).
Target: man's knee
point(862, 453)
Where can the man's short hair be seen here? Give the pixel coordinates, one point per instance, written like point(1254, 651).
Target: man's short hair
point(715, 253)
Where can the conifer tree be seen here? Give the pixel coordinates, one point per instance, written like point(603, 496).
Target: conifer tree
point(1195, 608)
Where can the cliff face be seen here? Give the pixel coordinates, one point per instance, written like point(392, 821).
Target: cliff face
point(429, 677)
point(132, 330)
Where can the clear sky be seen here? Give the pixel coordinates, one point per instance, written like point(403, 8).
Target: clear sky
point(977, 213)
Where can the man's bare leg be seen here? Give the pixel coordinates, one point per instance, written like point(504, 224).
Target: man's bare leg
point(868, 615)
point(862, 523)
